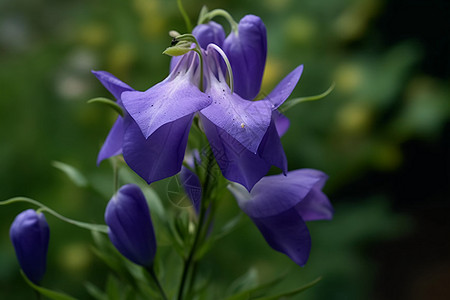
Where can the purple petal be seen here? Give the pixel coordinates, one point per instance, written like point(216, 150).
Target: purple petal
point(209, 33)
point(246, 121)
point(271, 149)
point(284, 89)
point(277, 193)
point(112, 84)
point(192, 186)
point(236, 162)
point(130, 226)
point(161, 154)
point(281, 122)
point(113, 143)
point(288, 234)
point(174, 98)
point(279, 206)
point(247, 51)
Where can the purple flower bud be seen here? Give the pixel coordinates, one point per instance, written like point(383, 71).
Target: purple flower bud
point(30, 236)
point(130, 227)
point(209, 33)
point(247, 51)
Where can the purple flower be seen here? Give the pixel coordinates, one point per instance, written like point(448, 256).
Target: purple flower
point(247, 51)
point(152, 136)
point(130, 227)
point(279, 206)
point(244, 135)
point(30, 236)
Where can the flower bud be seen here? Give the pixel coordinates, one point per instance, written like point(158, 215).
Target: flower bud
point(247, 51)
point(130, 227)
point(209, 33)
point(30, 235)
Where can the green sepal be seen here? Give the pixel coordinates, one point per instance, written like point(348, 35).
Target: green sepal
point(112, 104)
point(291, 103)
point(46, 292)
point(71, 172)
point(293, 292)
point(180, 48)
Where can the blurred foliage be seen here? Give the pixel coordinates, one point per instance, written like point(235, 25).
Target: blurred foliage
point(382, 135)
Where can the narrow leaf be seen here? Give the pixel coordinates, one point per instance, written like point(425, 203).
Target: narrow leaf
point(294, 292)
point(72, 173)
point(46, 292)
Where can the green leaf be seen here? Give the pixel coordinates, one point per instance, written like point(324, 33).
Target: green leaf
point(248, 293)
point(95, 292)
point(294, 292)
point(112, 104)
point(46, 292)
point(247, 281)
point(72, 173)
point(112, 288)
point(291, 103)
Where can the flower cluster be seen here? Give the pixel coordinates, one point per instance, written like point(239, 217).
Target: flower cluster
point(215, 84)
point(217, 79)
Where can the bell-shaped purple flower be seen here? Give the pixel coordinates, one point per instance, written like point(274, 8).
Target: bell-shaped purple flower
point(164, 113)
point(30, 236)
point(247, 51)
point(247, 158)
point(279, 206)
point(130, 227)
point(174, 98)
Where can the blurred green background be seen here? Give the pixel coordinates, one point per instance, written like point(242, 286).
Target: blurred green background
point(382, 135)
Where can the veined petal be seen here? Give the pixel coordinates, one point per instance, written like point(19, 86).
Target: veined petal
point(160, 155)
point(113, 143)
point(174, 98)
point(112, 84)
point(246, 121)
point(284, 89)
point(247, 51)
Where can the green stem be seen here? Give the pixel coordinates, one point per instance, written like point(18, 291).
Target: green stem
point(96, 227)
point(185, 16)
point(223, 13)
point(291, 103)
point(199, 230)
point(151, 271)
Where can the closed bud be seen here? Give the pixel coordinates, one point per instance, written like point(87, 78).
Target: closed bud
point(130, 227)
point(209, 33)
point(30, 236)
point(247, 51)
